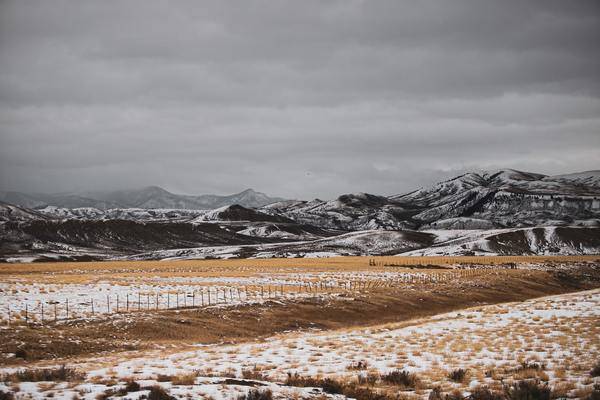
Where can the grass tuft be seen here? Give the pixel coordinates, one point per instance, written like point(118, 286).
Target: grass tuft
point(256, 394)
point(458, 375)
point(62, 373)
point(400, 378)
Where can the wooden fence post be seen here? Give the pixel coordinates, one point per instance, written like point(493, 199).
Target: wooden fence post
point(67, 308)
point(42, 306)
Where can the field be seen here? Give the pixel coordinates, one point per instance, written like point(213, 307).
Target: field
point(345, 327)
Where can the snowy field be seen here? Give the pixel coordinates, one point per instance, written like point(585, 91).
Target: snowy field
point(23, 298)
point(553, 339)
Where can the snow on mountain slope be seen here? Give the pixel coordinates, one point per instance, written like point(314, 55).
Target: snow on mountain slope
point(549, 240)
point(238, 213)
point(132, 214)
point(360, 211)
point(12, 213)
point(375, 242)
point(507, 198)
point(496, 199)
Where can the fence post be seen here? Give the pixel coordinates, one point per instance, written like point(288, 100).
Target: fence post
point(92, 303)
point(55, 311)
point(117, 303)
point(42, 306)
point(168, 300)
point(156, 301)
point(127, 302)
point(26, 314)
point(139, 300)
point(107, 304)
point(67, 308)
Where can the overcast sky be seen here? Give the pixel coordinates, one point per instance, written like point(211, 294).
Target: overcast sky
point(299, 99)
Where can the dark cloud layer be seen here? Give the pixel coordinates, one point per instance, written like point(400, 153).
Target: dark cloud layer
point(295, 98)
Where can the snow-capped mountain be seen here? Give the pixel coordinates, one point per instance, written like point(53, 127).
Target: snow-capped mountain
point(151, 197)
point(498, 212)
point(505, 198)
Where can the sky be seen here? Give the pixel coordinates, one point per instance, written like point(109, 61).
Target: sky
point(299, 99)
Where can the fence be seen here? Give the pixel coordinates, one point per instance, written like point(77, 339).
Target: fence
point(52, 311)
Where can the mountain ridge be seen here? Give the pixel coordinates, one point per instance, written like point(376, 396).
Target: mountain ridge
point(495, 212)
point(148, 197)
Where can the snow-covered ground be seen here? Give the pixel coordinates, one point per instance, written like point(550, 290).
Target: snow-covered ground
point(491, 342)
point(97, 298)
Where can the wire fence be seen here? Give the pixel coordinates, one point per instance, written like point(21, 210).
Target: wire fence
point(85, 307)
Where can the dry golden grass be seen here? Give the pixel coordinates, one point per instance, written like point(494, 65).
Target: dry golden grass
point(239, 267)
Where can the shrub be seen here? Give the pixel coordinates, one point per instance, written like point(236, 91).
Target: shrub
point(359, 393)
point(61, 373)
point(301, 381)
point(21, 353)
point(332, 386)
point(256, 394)
point(400, 378)
point(458, 375)
point(158, 393)
point(130, 386)
point(595, 394)
point(595, 370)
point(528, 390)
point(253, 374)
point(483, 393)
point(370, 379)
point(531, 365)
point(163, 378)
point(105, 395)
point(435, 394)
point(6, 395)
point(455, 395)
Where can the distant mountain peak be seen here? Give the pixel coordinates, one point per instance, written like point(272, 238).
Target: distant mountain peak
point(148, 197)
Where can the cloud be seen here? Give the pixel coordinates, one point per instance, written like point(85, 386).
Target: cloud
point(299, 99)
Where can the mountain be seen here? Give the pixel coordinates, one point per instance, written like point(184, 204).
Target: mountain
point(492, 212)
point(152, 197)
point(15, 214)
point(547, 240)
point(496, 199)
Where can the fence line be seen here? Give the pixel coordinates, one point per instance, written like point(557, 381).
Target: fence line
point(52, 311)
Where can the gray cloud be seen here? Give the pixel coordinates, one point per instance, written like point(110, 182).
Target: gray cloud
point(298, 99)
